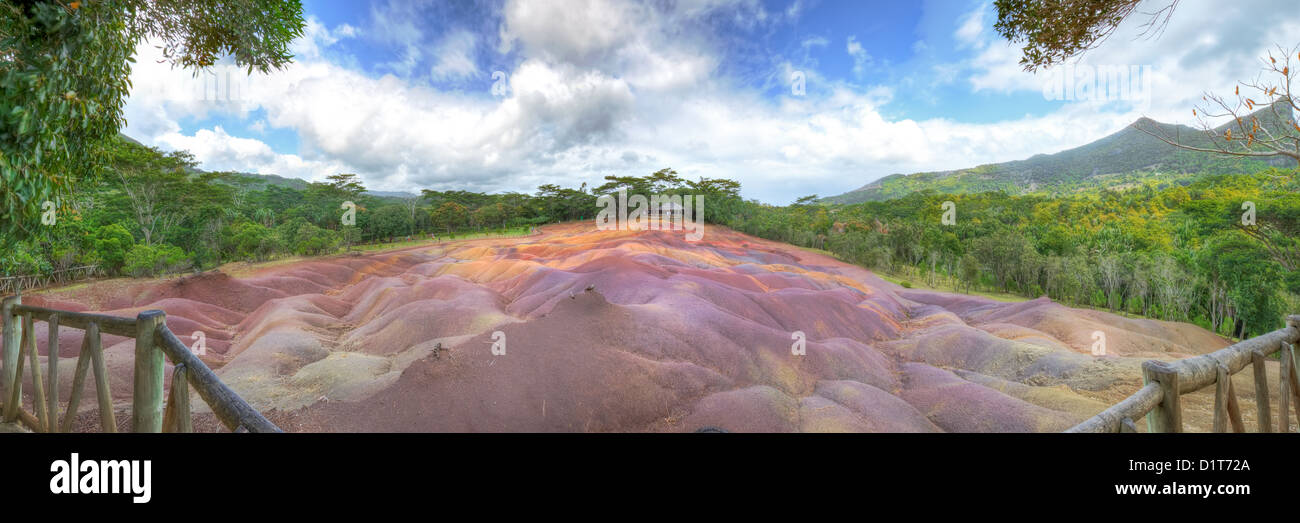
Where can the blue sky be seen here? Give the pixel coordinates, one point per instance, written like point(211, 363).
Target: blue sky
point(402, 92)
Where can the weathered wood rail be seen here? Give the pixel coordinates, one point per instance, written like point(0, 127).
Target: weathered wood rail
point(1165, 383)
point(17, 284)
point(153, 342)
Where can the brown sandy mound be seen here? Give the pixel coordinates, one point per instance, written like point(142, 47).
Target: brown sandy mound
point(628, 331)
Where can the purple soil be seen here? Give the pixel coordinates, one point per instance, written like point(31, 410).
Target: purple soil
point(627, 331)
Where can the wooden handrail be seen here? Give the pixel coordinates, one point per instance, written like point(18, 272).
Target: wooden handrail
point(1193, 374)
point(83, 268)
point(19, 282)
point(153, 341)
point(231, 409)
point(115, 325)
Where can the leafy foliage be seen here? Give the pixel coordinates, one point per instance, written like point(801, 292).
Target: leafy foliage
point(1055, 30)
point(63, 80)
point(155, 212)
point(1177, 251)
point(64, 77)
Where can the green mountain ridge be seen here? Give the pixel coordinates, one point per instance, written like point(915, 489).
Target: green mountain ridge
point(1124, 157)
point(258, 181)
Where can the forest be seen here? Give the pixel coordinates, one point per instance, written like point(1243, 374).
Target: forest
point(1173, 249)
point(1180, 250)
point(152, 213)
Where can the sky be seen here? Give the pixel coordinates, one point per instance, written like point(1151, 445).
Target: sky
point(788, 97)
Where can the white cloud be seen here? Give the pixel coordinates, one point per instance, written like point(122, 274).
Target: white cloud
point(613, 87)
point(861, 59)
point(456, 56)
point(971, 29)
point(1185, 59)
point(815, 41)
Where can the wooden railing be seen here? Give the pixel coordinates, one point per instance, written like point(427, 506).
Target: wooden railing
point(1165, 383)
point(153, 342)
point(17, 284)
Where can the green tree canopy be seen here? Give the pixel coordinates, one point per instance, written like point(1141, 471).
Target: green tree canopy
point(64, 78)
point(1055, 30)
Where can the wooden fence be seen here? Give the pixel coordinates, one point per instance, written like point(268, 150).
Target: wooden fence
point(1165, 383)
point(17, 284)
point(153, 342)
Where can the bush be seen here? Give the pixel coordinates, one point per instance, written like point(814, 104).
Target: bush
point(23, 259)
point(1292, 282)
point(109, 246)
point(309, 240)
point(146, 260)
point(254, 241)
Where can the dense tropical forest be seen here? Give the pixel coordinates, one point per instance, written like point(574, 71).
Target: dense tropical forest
point(1172, 249)
point(1168, 250)
point(153, 213)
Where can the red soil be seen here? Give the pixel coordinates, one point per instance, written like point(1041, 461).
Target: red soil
point(628, 331)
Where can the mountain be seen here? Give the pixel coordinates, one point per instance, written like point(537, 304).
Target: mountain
point(261, 181)
point(1127, 156)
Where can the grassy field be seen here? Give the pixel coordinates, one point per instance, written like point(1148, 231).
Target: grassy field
point(509, 233)
point(918, 282)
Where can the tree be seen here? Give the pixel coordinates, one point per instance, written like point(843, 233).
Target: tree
point(56, 120)
point(1055, 30)
point(721, 198)
point(147, 260)
point(412, 204)
point(1259, 123)
point(1252, 283)
point(449, 215)
point(664, 180)
point(252, 240)
point(152, 181)
point(970, 270)
point(110, 244)
point(1001, 253)
point(488, 214)
point(1110, 274)
point(388, 221)
point(346, 185)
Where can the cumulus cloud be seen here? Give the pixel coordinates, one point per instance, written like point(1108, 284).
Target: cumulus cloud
point(612, 87)
point(1185, 58)
point(861, 59)
point(456, 55)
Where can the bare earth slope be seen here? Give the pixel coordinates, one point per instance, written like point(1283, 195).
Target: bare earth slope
point(631, 331)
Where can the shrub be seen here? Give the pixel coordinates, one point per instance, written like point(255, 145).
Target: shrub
point(147, 260)
point(311, 240)
point(252, 240)
point(22, 259)
point(109, 246)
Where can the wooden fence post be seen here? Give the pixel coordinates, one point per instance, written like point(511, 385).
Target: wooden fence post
point(12, 337)
point(52, 359)
point(1167, 416)
point(1222, 394)
point(1295, 379)
point(147, 404)
point(1284, 390)
point(1265, 421)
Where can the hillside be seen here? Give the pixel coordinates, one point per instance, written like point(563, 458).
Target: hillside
point(255, 181)
point(632, 331)
point(1126, 156)
point(262, 181)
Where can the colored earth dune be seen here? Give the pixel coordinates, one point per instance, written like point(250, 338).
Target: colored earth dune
point(630, 331)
